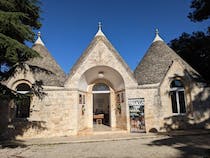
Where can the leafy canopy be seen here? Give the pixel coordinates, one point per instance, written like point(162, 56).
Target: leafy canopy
point(201, 10)
point(18, 20)
point(195, 49)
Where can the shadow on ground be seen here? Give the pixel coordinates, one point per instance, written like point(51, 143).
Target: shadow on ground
point(189, 146)
point(12, 144)
point(197, 118)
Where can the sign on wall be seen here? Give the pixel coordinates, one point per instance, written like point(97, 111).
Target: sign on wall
point(136, 110)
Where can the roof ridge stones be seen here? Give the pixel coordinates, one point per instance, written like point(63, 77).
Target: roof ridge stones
point(150, 70)
point(54, 75)
point(156, 62)
point(87, 51)
point(100, 36)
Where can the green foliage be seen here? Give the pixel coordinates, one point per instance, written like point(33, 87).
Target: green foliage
point(201, 10)
point(18, 20)
point(13, 52)
point(195, 49)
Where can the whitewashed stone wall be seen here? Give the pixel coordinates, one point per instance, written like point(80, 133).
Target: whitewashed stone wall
point(82, 111)
point(61, 114)
point(201, 105)
point(57, 113)
point(151, 105)
point(196, 97)
point(100, 56)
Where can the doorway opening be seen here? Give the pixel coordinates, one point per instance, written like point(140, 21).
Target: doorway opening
point(101, 104)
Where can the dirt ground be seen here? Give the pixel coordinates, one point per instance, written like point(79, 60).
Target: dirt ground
point(155, 147)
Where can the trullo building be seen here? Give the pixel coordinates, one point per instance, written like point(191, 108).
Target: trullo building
point(102, 94)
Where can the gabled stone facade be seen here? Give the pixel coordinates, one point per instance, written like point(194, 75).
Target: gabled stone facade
point(166, 88)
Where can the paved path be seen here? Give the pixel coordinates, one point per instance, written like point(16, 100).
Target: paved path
point(78, 139)
point(132, 147)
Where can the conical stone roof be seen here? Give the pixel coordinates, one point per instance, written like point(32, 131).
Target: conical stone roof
point(99, 36)
point(156, 62)
point(55, 75)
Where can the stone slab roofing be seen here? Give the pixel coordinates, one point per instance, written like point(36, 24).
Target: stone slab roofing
point(57, 75)
point(99, 37)
point(156, 62)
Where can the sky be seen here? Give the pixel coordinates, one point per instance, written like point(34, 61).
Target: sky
point(68, 26)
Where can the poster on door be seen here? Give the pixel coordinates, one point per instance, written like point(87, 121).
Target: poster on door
point(136, 110)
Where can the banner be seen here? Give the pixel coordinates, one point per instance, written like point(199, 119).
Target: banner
point(136, 110)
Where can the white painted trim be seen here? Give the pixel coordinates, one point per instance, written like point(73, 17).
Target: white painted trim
point(23, 92)
point(97, 92)
point(177, 90)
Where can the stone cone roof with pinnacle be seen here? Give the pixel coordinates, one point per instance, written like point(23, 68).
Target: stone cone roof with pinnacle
point(156, 62)
point(100, 36)
point(54, 76)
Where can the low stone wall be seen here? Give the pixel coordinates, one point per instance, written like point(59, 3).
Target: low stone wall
point(52, 116)
point(151, 105)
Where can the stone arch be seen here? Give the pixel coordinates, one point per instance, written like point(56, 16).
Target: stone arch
point(114, 80)
point(21, 81)
point(183, 79)
point(22, 105)
point(91, 85)
point(187, 86)
point(110, 76)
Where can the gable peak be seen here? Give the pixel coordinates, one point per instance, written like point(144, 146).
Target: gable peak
point(39, 40)
point(99, 33)
point(157, 37)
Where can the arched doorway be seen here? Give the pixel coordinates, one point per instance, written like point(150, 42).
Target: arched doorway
point(103, 85)
point(23, 104)
point(101, 104)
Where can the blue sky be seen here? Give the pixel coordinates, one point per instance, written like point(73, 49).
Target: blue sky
point(68, 26)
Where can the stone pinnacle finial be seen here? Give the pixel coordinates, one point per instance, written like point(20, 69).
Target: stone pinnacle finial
point(99, 25)
point(156, 31)
point(157, 37)
point(39, 34)
point(99, 33)
point(39, 40)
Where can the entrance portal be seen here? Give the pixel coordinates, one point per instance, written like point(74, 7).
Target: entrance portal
point(101, 104)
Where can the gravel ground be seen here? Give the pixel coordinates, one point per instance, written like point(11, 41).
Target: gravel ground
point(159, 147)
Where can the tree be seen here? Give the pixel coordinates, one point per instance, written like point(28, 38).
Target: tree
point(195, 48)
point(18, 20)
point(201, 10)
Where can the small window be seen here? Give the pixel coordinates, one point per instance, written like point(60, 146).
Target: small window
point(177, 83)
point(23, 88)
point(80, 98)
point(122, 97)
point(23, 104)
point(100, 87)
point(177, 97)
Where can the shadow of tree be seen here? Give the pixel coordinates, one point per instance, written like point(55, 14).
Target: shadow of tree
point(12, 144)
point(198, 106)
point(188, 146)
point(194, 121)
